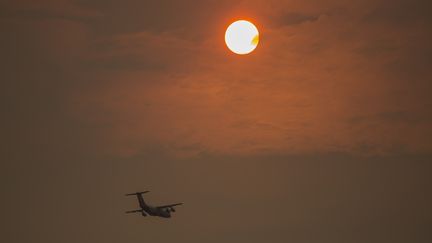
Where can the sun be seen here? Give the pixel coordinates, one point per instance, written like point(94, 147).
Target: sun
point(242, 37)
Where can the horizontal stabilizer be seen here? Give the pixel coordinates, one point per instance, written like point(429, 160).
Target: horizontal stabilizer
point(136, 193)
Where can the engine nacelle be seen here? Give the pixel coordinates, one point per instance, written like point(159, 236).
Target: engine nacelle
point(172, 209)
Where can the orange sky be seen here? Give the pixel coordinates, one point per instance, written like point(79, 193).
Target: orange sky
point(322, 134)
point(327, 77)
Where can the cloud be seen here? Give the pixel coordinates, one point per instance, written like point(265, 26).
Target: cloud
point(46, 9)
point(140, 51)
point(294, 95)
point(399, 12)
point(317, 83)
point(296, 18)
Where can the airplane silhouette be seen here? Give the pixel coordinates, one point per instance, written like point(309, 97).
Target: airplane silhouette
point(160, 211)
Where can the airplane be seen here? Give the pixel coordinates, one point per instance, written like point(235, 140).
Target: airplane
point(160, 211)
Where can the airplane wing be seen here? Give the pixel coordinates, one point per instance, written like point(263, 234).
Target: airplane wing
point(170, 205)
point(135, 211)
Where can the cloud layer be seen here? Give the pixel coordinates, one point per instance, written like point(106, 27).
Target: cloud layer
point(327, 76)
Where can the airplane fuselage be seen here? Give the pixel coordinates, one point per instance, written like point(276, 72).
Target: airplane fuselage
point(145, 209)
point(154, 211)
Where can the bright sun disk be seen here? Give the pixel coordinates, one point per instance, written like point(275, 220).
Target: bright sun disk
point(242, 37)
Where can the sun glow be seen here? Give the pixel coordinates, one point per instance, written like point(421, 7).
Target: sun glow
point(242, 37)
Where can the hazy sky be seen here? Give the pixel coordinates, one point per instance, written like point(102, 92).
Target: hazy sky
point(322, 134)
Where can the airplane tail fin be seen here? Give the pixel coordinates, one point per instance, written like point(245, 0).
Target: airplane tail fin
point(140, 198)
point(136, 193)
